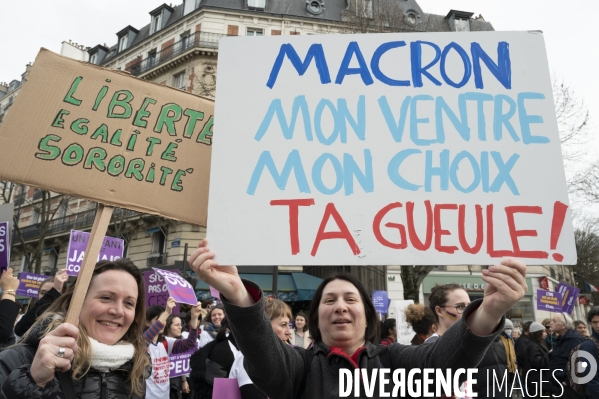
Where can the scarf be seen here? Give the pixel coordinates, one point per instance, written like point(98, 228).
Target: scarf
point(212, 329)
point(509, 351)
point(106, 358)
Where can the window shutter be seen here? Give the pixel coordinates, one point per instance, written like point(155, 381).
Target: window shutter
point(232, 30)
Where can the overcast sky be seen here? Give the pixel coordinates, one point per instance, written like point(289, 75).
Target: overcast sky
point(568, 27)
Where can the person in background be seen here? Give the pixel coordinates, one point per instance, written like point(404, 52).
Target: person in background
point(388, 331)
point(152, 314)
point(9, 309)
point(521, 347)
point(510, 351)
point(423, 322)
point(536, 359)
point(214, 318)
point(173, 328)
point(551, 335)
point(516, 333)
point(300, 336)
point(591, 346)
point(206, 306)
point(160, 347)
point(50, 290)
point(568, 339)
point(344, 325)
point(581, 327)
point(447, 302)
point(104, 357)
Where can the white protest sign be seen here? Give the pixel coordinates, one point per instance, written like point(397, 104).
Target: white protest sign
point(417, 148)
point(404, 329)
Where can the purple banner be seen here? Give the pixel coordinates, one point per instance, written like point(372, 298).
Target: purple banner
point(30, 284)
point(569, 296)
point(549, 300)
point(381, 301)
point(157, 291)
point(178, 287)
point(112, 249)
point(180, 362)
point(4, 246)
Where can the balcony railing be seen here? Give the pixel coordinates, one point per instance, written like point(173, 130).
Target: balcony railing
point(156, 259)
point(198, 39)
point(77, 221)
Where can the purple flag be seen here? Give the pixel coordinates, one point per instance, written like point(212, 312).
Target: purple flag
point(569, 296)
point(226, 388)
point(157, 291)
point(4, 247)
point(180, 362)
point(178, 287)
point(380, 301)
point(30, 284)
point(112, 249)
point(549, 300)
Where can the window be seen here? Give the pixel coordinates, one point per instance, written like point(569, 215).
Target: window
point(94, 58)
point(462, 25)
point(152, 58)
point(185, 41)
point(122, 43)
point(198, 3)
point(158, 243)
point(35, 217)
point(156, 23)
point(179, 80)
point(255, 32)
point(256, 4)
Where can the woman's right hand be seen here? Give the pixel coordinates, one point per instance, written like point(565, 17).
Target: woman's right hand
point(170, 305)
point(8, 281)
point(59, 280)
point(47, 360)
point(224, 278)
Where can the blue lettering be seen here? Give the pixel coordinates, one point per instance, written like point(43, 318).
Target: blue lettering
point(396, 129)
point(376, 68)
point(275, 107)
point(315, 52)
point(317, 174)
point(500, 119)
point(461, 125)
point(393, 170)
point(414, 121)
point(526, 120)
point(502, 70)
point(480, 98)
point(465, 60)
point(416, 60)
point(351, 170)
point(455, 166)
point(441, 170)
point(318, 122)
point(503, 175)
point(345, 70)
point(358, 124)
point(293, 163)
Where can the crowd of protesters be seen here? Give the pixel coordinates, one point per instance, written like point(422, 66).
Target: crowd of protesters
point(119, 349)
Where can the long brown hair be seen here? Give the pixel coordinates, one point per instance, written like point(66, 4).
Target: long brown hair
point(134, 334)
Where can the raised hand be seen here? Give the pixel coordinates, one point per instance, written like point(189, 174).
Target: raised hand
point(54, 353)
point(170, 305)
point(60, 279)
point(8, 281)
point(505, 285)
point(224, 278)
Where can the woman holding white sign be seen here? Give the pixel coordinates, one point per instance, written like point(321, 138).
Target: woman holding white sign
point(104, 357)
point(344, 326)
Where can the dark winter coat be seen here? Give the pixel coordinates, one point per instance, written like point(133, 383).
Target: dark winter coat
point(592, 387)
point(277, 369)
point(9, 310)
point(16, 381)
point(558, 358)
point(494, 363)
point(36, 311)
point(521, 348)
point(537, 358)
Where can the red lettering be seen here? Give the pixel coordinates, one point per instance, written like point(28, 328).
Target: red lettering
point(514, 233)
point(376, 228)
point(294, 205)
point(439, 232)
point(343, 232)
point(490, 244)
point(416, 243)
point(462, 229)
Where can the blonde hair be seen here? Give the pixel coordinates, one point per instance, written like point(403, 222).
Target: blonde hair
point(276, 308)
point(80, 366)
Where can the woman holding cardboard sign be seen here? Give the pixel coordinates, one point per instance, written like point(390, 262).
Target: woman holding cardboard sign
point(104, 357)
point(344, 326)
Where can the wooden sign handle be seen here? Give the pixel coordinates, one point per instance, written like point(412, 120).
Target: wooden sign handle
point(94, 244)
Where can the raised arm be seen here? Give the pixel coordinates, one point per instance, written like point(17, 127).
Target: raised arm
point(152, 333)
point(185, 344)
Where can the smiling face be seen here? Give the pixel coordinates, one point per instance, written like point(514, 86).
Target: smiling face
point(175, 328)
point(109, 307)
point(280, 326)
point(341, 316)
point(216, 316)
point(300, 323)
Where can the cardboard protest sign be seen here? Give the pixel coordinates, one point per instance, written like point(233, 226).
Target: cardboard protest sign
point(112, 249)
point(418, 148)
point(569, 296)
point(4, 246)
point(101, 134)
point(179, 288)
point(180, 362)
point(405, 333)
point(157, 291)
point(30, 284)
point(549, 300)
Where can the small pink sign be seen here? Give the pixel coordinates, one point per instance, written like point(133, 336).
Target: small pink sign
point(214, 292)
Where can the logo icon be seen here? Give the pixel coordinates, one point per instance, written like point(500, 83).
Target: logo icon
point(580, 362)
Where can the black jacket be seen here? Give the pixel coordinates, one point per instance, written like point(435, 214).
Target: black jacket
point(16, 381)
point(35, 311)
point(558, 358)
point(521, 348)
point(9, 311)
point(493, 368)
point(537, 358)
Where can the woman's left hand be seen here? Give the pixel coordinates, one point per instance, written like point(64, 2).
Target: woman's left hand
point(196, 310)
point(185, 387)
point(505, 285)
